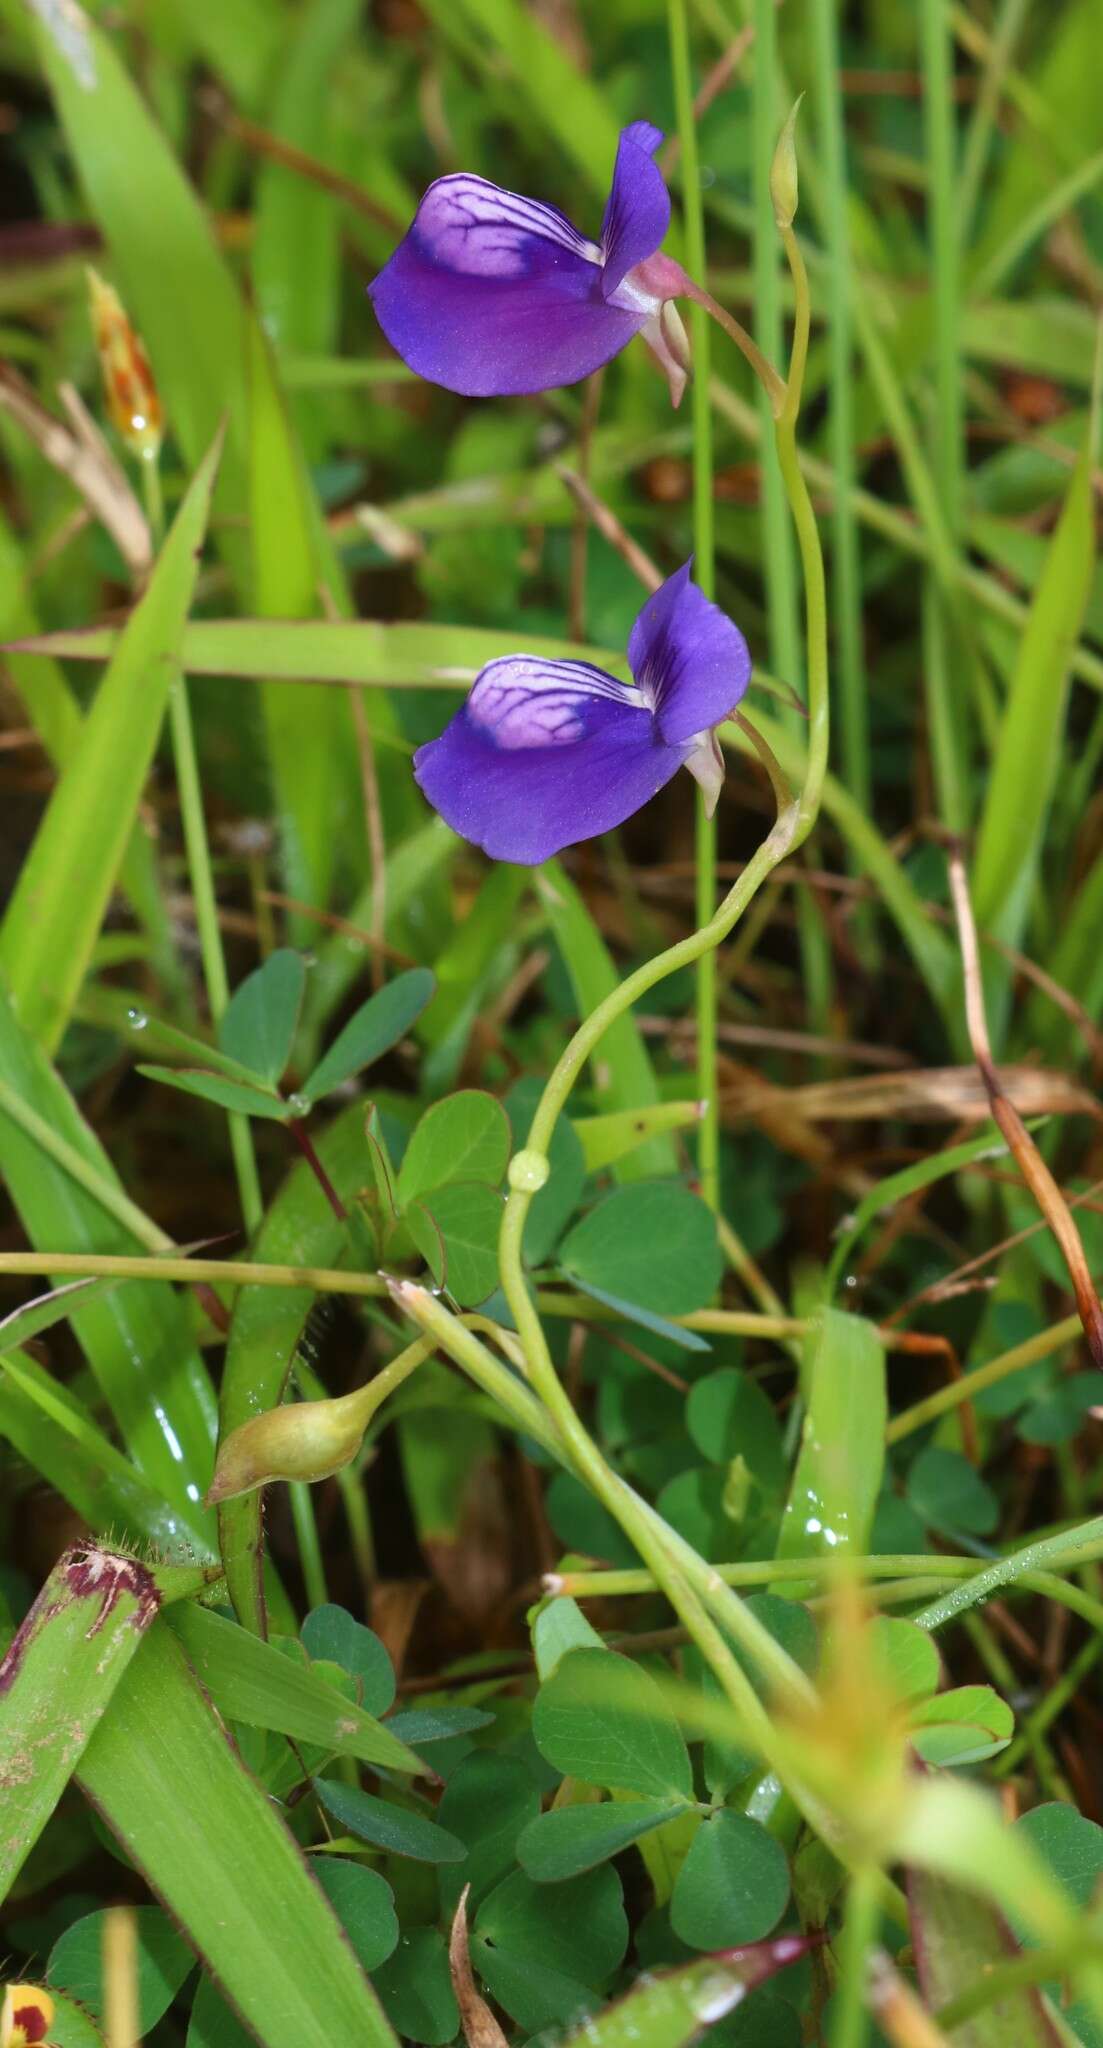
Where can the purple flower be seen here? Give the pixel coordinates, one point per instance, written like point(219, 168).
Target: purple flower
point(544, 753)
point(491, 294)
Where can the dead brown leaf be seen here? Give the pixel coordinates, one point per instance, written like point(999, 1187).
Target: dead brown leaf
point(77, 448)
point(480, 2028)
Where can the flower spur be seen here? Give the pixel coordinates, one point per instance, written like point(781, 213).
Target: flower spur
point(545, 753)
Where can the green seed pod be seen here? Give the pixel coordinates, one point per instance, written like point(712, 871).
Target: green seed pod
point(306, 1440)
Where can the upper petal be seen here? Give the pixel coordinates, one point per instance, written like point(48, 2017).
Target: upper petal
point(543, 754)
point(637, 214)
point(468, 225)
point(492, 294)
point(690, 661)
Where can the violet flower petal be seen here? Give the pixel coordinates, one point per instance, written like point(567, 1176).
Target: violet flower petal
point(543, 754)
point(637, 213)
point(493, 295)
point(690, 661)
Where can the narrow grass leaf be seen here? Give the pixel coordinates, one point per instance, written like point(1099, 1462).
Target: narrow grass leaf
point(1020, 786)
point(337, 651)
point(838, 1473)
point(136, 1338)
point(57, 1680)
point(210, 361)
point(297, 241)
point(249, 1680)
point(22, 1324)
point(311, 749)
point(896, 1187)
point(54, 916)
point(141, 1769)
point(53, 1431)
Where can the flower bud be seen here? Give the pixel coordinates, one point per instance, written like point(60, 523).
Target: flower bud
point(783, 172)
point(306, 1440)
point(132, 398)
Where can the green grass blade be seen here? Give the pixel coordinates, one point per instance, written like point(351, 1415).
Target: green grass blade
point(58, 906)
point(174, 282)
point(297, 251)
point(209, 363)
point(333, 651)
point(55, 1435)
point(846, 564)
point(779, 560)
point(1020, 786)
point(838, 1472)
point(137, 1340)
point(284, 1963)
point(299, 1229)
point(623, 1076)
point(249, 1680)
point(57, 1681)
point(310, 742)
point(896, 1187)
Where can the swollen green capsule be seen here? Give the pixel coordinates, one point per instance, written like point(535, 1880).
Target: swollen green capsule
point(307, 1440)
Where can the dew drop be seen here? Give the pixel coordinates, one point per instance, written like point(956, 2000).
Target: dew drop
point(137, 1020)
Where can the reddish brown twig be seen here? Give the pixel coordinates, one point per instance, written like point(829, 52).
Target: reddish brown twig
point(1021, 1145)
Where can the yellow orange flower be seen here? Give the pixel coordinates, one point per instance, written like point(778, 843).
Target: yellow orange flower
point(132, 397)
point(26, 2016)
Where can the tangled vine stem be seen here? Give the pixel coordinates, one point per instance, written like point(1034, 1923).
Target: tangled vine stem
point(698, 1596)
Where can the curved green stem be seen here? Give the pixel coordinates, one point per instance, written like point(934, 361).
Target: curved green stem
point(696, 1592)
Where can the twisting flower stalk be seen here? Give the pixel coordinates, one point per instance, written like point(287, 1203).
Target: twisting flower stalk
point(794, 821)
point(712, 1613)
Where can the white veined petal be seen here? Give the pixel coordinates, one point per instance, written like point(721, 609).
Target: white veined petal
point(485, 231)
point(523, 701)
